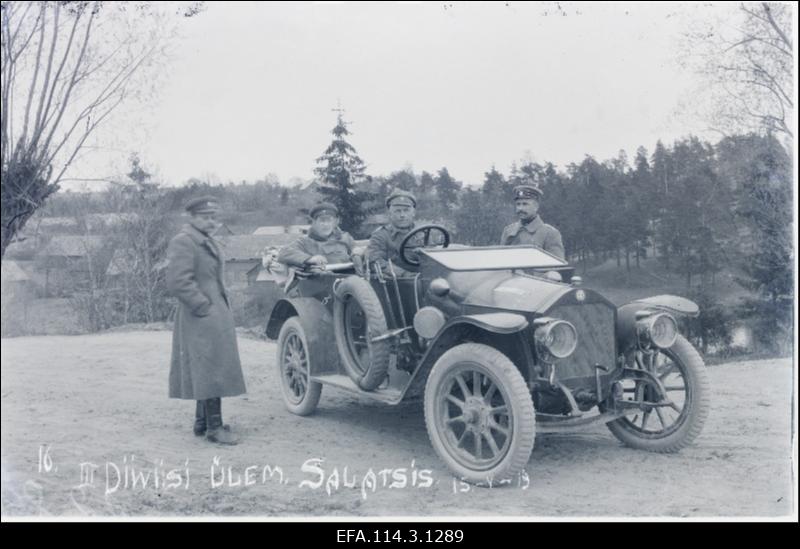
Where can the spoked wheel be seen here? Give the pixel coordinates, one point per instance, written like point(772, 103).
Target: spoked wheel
point(300, 394)
point(479, 414)
point(671, 423)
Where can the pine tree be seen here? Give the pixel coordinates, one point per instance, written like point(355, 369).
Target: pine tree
point(447, 188)
point(341, 170)
point(493, 183)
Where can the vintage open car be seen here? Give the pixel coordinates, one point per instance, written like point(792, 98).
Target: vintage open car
point(498, 342)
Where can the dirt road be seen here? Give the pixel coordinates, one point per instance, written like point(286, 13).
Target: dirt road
point(100, 401)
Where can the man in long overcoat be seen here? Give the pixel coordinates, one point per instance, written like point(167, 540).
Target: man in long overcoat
point(205, 357)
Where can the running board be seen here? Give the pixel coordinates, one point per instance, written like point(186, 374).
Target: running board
point(389, 395)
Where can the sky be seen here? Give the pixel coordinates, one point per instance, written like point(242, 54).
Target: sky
point(252, 87)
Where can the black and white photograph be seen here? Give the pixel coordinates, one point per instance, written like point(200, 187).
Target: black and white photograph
point(409, 262)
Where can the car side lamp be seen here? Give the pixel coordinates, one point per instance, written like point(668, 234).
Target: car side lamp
point(428, 321)
point(576, 280)
point(439, 287)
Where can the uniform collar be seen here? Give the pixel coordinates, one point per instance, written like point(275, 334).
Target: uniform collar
point(534, 225)
point(394, 231)
point(202, 239)
point(195, 233)
point(336, 234)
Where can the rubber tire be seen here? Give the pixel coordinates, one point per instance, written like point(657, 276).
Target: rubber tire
point(524, 430)
point(354, 287)
point(313, 389)
point(699, 402)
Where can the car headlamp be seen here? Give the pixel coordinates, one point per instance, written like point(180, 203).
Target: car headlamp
point(556, 339)
point(659, 330)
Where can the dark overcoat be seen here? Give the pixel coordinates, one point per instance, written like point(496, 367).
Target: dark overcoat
point(205, 356)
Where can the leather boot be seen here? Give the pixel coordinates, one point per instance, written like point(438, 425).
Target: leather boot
point(200, 419)
point(216, 431)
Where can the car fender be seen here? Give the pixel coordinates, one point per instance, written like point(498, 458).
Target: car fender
point(317, 322)
point(503, 324)
point(498, 323)
point(626, 314)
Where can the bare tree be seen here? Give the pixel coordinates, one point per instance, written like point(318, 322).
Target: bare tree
point(143, 234)
point(748, 63)
point(66, 68)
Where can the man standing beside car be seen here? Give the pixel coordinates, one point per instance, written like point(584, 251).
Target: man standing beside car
point(205, 357)
point(530, 229)
point(384, 244)
point(325, 242)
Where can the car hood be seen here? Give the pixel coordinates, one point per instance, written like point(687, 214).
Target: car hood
point(506, 290)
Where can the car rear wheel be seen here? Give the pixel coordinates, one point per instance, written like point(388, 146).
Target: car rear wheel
point(300, 394)
point(672, 423)
point(358, 319)
point(479, 414)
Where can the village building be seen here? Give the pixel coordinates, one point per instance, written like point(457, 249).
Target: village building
point(67, 263)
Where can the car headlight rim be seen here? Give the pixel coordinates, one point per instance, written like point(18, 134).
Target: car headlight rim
point(658, 330)
point(557, 339)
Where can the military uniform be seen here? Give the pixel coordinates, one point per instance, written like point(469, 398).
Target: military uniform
point(205, 362)
point(384, 243)
point(336, 248)
point(535, 232)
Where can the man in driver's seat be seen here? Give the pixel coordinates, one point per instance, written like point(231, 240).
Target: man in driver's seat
point(384, 244)
point(325, 242)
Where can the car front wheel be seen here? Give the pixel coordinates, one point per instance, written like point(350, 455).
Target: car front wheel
point(479, 414)
point(670, 423)
point(300, 394)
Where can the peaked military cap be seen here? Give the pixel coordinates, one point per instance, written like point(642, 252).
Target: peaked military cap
point(399, 196)
point(203, 204)
point(323, 208)
point(528, 191)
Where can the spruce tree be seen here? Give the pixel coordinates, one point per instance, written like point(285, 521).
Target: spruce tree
point(340, 171)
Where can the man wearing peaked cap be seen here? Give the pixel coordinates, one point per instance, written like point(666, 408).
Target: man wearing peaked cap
point(202, 204)
point(384, 244)
point(325, 242)
point(399, 196)
point(530, 229)
point(205, 362)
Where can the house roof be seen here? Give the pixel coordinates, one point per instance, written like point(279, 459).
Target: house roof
point(72, 246)
point(270, 229)
point(24, 247)
point(99, 220)
point(247, 247)
point(299, 229)
point(49, 222)
point(11, 272)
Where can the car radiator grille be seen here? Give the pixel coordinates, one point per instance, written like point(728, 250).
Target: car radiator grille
point(594, 323)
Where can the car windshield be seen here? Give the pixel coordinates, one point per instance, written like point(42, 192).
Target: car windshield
point(493, 258)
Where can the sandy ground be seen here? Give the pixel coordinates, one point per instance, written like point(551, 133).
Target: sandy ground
point(100, 401)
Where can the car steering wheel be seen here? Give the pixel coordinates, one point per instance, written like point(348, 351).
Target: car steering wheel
point(406, 245)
